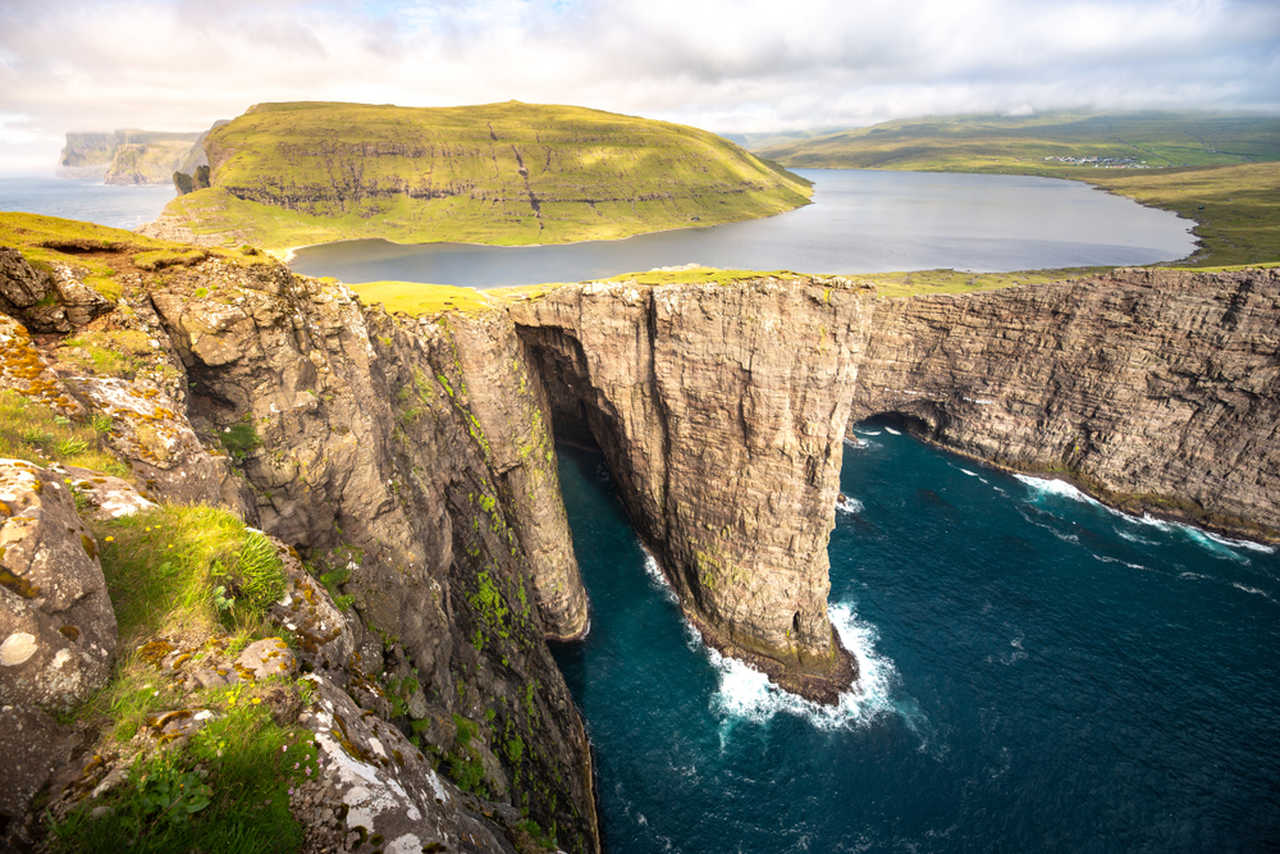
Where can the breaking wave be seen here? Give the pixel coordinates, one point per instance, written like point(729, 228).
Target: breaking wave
point(656, 578)
point(1060, 488)
point(745, 693)
point(848, 504)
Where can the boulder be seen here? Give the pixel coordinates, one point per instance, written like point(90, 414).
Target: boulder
point(57, 628)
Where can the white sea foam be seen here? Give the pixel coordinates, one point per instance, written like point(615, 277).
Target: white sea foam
point(746, 693)
point(865, 432)
point(1212, 544)
point(1236, 544)
point(855, 442)
point(656, 577)
point(1018, 654)
point(1193, 576)
point(1247, 589)
point(1045, 486)
point(1134, 538)
point(892, 432)
point(848, 504)
point(1109, 559)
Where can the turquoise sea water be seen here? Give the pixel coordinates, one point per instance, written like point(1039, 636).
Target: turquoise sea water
point(1039, 673)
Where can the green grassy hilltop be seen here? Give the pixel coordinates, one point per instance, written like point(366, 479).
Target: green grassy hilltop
point(1218, 170)
point(300, 173)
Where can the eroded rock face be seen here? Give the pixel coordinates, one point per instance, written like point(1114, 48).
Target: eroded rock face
point(47, 301)
point(57, 628)
point(375, 791)
point(1156, 390)
point(721, 411)
point(152, 433)
point(413, 458)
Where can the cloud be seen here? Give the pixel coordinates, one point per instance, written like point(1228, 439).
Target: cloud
point(731, 66)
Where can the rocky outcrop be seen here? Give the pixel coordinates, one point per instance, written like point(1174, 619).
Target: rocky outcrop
point(52, 300)
point(57, 628)
point(721, 409)
point(412, 458)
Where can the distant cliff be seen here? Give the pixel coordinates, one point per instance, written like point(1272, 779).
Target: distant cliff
point(130, 156)
point(300, 173)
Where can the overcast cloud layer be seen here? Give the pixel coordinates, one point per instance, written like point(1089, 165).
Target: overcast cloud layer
point(727, 65)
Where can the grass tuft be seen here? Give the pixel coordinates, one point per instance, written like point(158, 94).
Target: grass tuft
point(163, 565)
point(32, 431)
point(226, 790)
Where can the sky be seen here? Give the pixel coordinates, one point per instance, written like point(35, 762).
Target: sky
point(731, 66)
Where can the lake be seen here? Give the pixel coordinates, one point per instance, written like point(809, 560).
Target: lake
point(861, 221)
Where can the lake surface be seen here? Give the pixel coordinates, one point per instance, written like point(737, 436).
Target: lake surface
point(1039, 674)
point(117, 206)
point(860, 222)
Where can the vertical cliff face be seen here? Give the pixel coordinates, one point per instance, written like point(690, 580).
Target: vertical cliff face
point(413, 458)
point(1157, 391)
point(128, 156)
point(721, 411)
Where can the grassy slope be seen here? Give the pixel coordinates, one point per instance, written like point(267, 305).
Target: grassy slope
point(432, 300)
point(293, 174)
point(1210, 168)
point(102, 253)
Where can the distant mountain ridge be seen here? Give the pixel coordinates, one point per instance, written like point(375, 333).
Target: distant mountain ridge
point(291, 174)
point(1052, 143)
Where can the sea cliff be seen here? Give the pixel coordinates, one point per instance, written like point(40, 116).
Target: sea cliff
point(403, 470)
point(130, 156)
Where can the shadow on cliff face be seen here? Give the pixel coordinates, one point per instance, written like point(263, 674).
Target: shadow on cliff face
point(916, 425)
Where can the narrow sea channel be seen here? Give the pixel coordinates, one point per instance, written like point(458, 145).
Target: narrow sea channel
point(1040, 673)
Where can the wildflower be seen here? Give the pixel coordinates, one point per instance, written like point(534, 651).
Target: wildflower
point(256, 700)
point(109, 538)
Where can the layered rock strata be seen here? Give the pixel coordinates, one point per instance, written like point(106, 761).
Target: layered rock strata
point(721, 411)
point(1158, 391)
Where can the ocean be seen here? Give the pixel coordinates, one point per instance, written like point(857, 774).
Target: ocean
point(1039, 673)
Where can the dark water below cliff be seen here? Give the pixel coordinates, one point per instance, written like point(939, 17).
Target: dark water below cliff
point(860, 222)
point(1040, 673)
point(93, 201)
